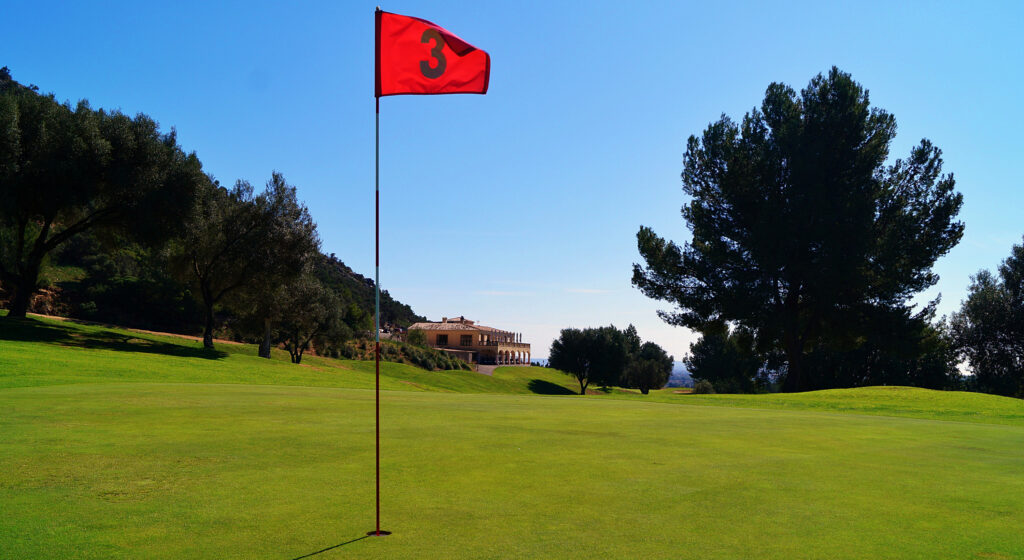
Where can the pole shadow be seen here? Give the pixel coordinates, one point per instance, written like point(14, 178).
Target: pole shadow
point(330, 548)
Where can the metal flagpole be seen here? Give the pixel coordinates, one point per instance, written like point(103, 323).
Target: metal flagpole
point(376, 302)
point(376, 314)
point(376, 280)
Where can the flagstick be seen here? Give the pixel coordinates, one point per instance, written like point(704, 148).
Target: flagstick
point(376, 313)
point(376, 301)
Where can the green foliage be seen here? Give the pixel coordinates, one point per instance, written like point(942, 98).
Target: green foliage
point(633, 342)
point(404, 352)
point(801, 233)
point(416, 337)
point(65, 171)
point(703, 387)
point(989, 328)
point(727, 361)
point(896, 348)
point(99, 193)
point(356, 288)
point(120, 282)
point(649, 367)
point(245, 246)
point(593, 356)
point(284, 245)
point(310, 315)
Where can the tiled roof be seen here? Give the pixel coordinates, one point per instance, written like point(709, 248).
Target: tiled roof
point(452, 326)
point(431, 326)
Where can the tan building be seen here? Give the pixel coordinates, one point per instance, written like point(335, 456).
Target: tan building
point(475, 343)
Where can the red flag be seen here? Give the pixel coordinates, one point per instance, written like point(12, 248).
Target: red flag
point(416, 57)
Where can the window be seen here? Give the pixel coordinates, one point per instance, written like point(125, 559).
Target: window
point(466, 340)
point(442, 340)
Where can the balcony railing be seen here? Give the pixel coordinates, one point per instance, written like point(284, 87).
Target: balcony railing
point(509, 344)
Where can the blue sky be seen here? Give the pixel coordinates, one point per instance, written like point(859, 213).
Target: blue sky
point(520, 208)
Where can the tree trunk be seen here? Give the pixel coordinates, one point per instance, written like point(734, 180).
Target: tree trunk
point(208, 330)
point(20, 301)
point(644, 390)
point(794, 366)
point(24, 286)
point(583, 386)
point(265, 343)
point(792, 342)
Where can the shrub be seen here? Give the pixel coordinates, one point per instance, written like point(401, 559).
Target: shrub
point(416, 338)
point(703, 387)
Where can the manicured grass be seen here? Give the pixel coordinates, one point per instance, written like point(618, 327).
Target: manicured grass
point(959, 406)
point(120, 445)
point(148, 470)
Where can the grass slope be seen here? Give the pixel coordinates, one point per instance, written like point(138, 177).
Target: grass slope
point(121, 445)
point(959, 406)
point(41, 351)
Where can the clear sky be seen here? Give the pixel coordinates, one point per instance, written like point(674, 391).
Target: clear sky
point(520, 208)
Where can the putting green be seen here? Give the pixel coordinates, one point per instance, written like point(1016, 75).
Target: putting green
point(116, 444)
point(148, 470)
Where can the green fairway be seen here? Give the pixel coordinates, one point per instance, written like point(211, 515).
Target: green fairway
point(152, 448)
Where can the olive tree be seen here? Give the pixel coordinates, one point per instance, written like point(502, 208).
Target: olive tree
point(66, 170)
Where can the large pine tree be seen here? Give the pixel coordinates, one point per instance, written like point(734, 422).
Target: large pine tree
point(800, 229)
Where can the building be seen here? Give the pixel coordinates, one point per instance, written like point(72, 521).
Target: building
point(475, 343)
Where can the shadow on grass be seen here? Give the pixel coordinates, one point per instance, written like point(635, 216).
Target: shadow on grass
point(542, 387)
point(330, 548)
point(33, 330)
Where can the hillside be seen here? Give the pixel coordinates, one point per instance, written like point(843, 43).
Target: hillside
point(122, 283)
point(354, 287)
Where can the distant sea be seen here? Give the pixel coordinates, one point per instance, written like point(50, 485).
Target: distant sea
point(680, 376)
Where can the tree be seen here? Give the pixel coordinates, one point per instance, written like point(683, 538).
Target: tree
point(799, 228)
point(594, 355)
point(725, 360)
point(897, 347)
point(569, 353)
point(288, 247)
point(65, 171)
point(649, 368)
point(633, 342)
point(237, 240)
point(609, 354)
point(312, 317)
point(989, 328)
point(124, 284)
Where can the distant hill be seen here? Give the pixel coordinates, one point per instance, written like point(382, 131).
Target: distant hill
point(356, 288)
point(680, 376)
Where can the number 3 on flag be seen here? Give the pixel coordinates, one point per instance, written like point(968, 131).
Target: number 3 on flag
point(437, 52)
